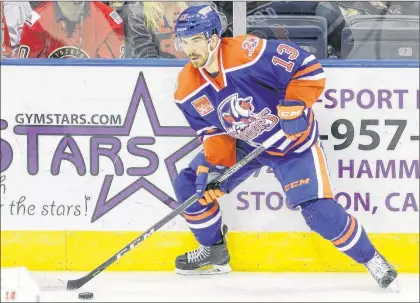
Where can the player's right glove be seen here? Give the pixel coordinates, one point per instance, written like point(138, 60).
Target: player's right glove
point(293, 120)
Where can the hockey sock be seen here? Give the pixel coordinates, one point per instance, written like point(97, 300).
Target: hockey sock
point(329, 219)
point(204, 221)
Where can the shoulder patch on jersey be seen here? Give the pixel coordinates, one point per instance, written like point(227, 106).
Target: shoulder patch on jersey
point(241, 51)
point(203, 105)
point(32, 18)
point(250, 44)
point(116, 17)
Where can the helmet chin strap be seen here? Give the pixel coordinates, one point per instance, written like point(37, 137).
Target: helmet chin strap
point(211, 53)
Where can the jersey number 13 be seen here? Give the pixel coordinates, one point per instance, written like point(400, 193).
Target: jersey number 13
point(291, 52)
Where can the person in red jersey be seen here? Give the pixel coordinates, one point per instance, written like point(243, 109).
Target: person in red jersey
point(72, 30)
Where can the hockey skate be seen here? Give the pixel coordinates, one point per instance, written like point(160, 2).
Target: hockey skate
point(383, 272)
point(205, 260)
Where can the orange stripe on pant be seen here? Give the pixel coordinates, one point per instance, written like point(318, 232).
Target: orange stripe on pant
point(348, 234)
point(203, 215)
point(327, 190)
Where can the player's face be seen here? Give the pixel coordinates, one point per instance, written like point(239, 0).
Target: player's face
point(196, 48)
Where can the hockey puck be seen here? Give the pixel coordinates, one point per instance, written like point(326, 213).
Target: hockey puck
point(86, 295)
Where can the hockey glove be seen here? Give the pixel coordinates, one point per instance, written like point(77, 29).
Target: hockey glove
point(205, 174)
point(293, 120)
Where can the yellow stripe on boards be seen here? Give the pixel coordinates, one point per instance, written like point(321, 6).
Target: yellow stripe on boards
point(250, 251)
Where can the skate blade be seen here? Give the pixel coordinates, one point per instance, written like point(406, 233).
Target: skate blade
point(394, 286)
point(214, 270)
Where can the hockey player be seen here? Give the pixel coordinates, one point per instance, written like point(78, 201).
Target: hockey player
point(235, 93)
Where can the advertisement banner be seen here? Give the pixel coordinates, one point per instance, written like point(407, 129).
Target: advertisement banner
point(98, 148)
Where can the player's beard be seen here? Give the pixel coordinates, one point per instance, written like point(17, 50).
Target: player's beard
point(72, 10)
point(198, 61)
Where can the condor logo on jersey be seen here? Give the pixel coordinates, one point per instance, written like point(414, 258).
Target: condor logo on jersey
point(238, 118)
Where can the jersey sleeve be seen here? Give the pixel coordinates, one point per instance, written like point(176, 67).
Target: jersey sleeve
point(293, 70)
point(219, 147)
point(16, 15)
point(32, 42)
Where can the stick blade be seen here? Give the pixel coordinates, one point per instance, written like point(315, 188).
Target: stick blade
point(76, 284)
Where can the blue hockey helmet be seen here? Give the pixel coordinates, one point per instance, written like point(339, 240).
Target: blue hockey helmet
point(198, 19)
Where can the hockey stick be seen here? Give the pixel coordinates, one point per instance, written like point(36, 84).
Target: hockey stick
point(76, 284)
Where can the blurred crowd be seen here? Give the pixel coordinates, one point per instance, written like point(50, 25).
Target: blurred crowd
point(133, 29)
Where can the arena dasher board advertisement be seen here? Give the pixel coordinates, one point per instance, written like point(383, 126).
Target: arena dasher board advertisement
point(89, 154)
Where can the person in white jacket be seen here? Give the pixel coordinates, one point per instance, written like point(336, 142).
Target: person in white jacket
point(13, 18)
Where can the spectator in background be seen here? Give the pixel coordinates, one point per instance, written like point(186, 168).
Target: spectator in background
point(72, 30)
point(150, 29)
point(13, 15)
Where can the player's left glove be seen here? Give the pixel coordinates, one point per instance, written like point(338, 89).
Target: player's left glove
point(205, 174)
point(293, 120)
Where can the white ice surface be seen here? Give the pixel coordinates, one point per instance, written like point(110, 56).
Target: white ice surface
point(250, 287)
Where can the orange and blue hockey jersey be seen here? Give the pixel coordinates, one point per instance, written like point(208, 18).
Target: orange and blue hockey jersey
point(240, 102)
